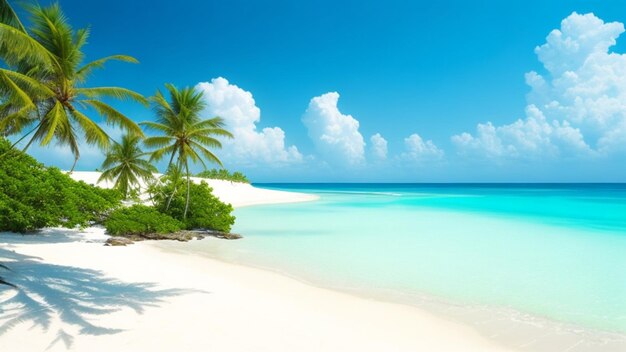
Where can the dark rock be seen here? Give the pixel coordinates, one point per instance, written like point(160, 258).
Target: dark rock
point(182, 236)
point(228, 236)
point(217, 234)
point(118, 241)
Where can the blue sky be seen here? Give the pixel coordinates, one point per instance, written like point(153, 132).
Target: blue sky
point(435, 70)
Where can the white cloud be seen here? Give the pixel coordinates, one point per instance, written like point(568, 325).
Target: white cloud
point(336, 136)
point(577, 108)
point(250, 147)
point(378, 147)
point(531, 137)
point(419, 150)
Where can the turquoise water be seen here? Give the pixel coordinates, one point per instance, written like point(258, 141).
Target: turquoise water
point(552, 251)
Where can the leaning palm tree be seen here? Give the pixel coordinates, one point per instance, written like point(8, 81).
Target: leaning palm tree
point(42, 83)
point(125, 164)
point(184, 136)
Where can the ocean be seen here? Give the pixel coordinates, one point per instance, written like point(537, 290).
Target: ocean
point(536, 257)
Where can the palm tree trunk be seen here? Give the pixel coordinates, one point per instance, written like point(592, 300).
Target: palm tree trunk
point(26, 135)
point(28, 144)
point(188, 188)
point(74, 165)
point(169, 201)
point(171, 159)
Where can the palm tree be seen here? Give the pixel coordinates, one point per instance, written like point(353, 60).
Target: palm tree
point(185, 136)
point(125, 164)
point(43, 84)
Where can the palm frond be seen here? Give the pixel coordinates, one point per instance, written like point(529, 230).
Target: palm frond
point(208, 154)
point(114, 117)
point(16, 91)
point(212, 132)
point(157, 126)
point(17, 46)
point(94, 134)
point(113, 92)
point(33, 86)
point(8, 16)
point(84, 71)
point(206, 141)
point(15, 120)
point(53, 118)
point(158, 141)
point(158, 154)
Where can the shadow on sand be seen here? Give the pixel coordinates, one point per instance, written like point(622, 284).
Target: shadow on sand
point(47, 293)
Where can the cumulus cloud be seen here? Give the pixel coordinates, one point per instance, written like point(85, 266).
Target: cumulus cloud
point(578, 107)
point(378, 147)
point(419, 150)
point(250, 147)
point(336, 136)
point(530, 137)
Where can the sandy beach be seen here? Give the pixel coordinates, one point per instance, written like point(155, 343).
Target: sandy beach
point(312, 176)
point(235, 193)
point(79, 295)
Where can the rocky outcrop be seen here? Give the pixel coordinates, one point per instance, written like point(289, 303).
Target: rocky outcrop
point(182, 236)
point(118, 241)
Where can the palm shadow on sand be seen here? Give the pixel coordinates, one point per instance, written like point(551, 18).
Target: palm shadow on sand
point(46, 293)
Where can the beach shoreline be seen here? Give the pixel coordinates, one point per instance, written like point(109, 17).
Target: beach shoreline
point(234, 307)
point(235, 193)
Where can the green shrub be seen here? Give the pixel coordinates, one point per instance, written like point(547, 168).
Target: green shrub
point(140, 220)
point(205, 210)
point(223, 174)
point(33, 196)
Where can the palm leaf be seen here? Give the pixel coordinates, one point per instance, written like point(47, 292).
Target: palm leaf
point(34, 86)
point(158, 141)
point(94, 134)
point(53, 117)
point(113, 92)
point(16, 91)
point(17, 46)
point(207, 154)
point(114, 117)
point(157, 126)
point(158, 154)
point(84, 71)
point(8, 16)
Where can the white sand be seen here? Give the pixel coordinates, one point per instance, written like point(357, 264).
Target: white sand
point(215, 306)
point(236, 193)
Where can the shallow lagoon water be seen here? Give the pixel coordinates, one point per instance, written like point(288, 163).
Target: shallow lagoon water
point(555, 252)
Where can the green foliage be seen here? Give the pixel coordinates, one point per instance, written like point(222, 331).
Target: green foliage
point(125, 164)
point(140, 220)
point(205, 209)
point(183, 135)
point(42, 80)
point(33, 196)
point(223, 174)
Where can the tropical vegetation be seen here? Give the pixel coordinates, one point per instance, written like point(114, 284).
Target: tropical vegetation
point(34, 196)
point(183, 135)
point(125, 164)
point(223, 174)
point(45, 98)
point(44, 82)
point(139, 220)
point(208, 212)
